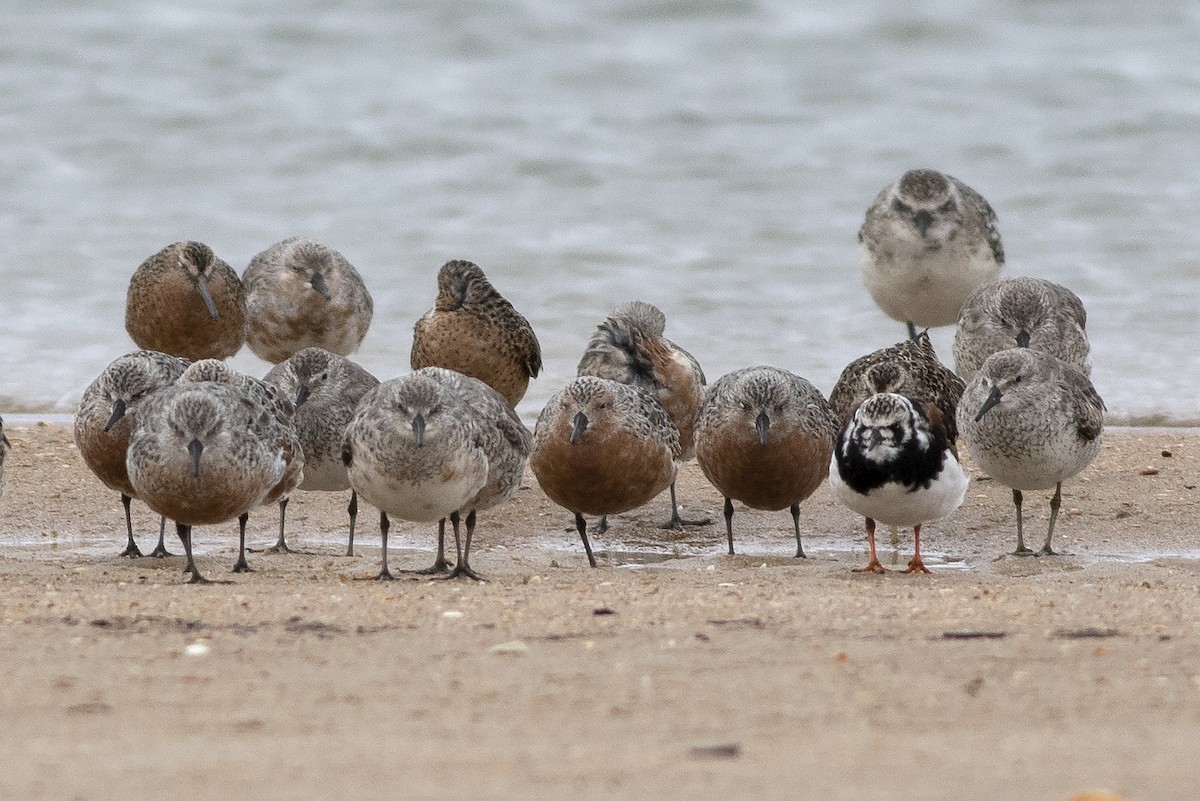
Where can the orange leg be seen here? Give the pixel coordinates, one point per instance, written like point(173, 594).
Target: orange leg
point(915, 565)
point(873, 566)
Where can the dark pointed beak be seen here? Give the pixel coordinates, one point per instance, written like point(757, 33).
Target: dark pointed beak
point(762, 423)
point(118, 411)
point(922, 219)
point(418, 426)
point(873, 439)
point(202, 287)
point(195, 448)
point(302, 395)
point(318, 283)
point(992, 399)
point(580, 425)
point(1022, 339)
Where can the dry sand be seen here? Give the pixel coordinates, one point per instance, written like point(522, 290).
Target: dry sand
point(695, 676)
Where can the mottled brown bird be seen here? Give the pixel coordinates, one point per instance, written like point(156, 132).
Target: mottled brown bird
point(185, 301)
point(473, 330)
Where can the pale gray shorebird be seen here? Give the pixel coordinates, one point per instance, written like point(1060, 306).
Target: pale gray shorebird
point(282, 413)
point(630, 347)
point(603, 447)
point(325, 389)
point(1021, 312)
point(894, 463)
point(413, 451)
point(185, 301)
point(301, 293)
point(105, 418)
point(1031, 421)
point(472, 329)
point(5, 447)
point(506, 443)
point(204, 453)
point(764, 437)
point(928, 240)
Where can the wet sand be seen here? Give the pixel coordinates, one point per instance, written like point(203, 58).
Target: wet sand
point(672, 671)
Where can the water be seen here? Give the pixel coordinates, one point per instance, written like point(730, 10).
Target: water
point(713, 158)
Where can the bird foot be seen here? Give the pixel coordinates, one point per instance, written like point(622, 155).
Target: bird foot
point(1024, 552)
point(240, 566)
point(873, 567)
point(462, 570)
point(385, 575)
point(199, 579)
point(131, 552)
point(677, 523)
point(1048, 551)
point(439, 568)
point(160, 552)
point(916, 566)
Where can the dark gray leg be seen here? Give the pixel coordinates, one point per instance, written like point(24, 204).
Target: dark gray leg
point(795, 510)
point(581, 527)
point(1055, 502)
point(440, 566)
point(676, 522)
point(160, 551)
point(729, 523)
point(131, 549)
point(240, 565)
point(185, 535)
point(384, 525)
point(1021, 549)
point(352, 510)
point(462, 566)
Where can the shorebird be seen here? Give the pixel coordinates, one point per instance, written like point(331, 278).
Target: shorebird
point(1031, 421)
point(764, 437)
point(473, 330)
point(602, 447)
point(1021, 312)
point(185, 301)
point(413, 451)
point(301, 293)
point(325, 389)
point(927, 241)
point(894, 463)
point(205, 453)
point(279, 406)
point(5, 447)
point(629, 347)
point(506, 443)
point(105, 418)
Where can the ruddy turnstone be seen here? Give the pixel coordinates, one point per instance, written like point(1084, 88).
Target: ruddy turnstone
point(1021, 312)
point(602, 447)
point(1031, 421)
point(893, 462)
point(413, 451)
point(630, 347)
point(927, 241)
point(473, 330)
point(764, 437)
point(105, 418)
point(204, 453)
point(185, 301)
point(325, 390)
point(301, 293)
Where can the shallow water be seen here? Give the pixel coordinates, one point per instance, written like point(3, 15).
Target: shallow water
point(715, 159)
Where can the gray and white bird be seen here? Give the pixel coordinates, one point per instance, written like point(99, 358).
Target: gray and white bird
point(894, 463)
point(1021, 312)
point(5, 447)
point(1031, 421)
point(927, 241)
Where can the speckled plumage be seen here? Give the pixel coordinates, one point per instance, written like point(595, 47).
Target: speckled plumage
point(894, 462)
point(1031, 421)
point(1021, 312)
point(283, 413)
point(301, 293)
point(909, 368)
point(630, 347)
point(602, 447)
point(204, 453)
point(413, 451)
point(105, 418)
point(473, 330)
point(185, 301)
point(764, 437)
point(5, 447)
point(927, 241)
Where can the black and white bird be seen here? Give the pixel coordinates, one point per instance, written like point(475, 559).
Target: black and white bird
point(927, 241)
point(894, 463)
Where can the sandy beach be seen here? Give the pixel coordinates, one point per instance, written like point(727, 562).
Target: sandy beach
point(671, 671)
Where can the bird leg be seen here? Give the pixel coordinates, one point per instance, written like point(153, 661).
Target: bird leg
point(1055, 502)
point(185, 534)
point(795, 510)
point(440, 565)
point(1021, 549)
point(352, 510)
point(131, 549)
point(462, 566)
point(384, 525)
point(729, 522)
point(916, 565)
point(873, 566)
point(240, 565)
point(160, 551)
point(581, 527)
point(912, 331)
point(676, 522)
